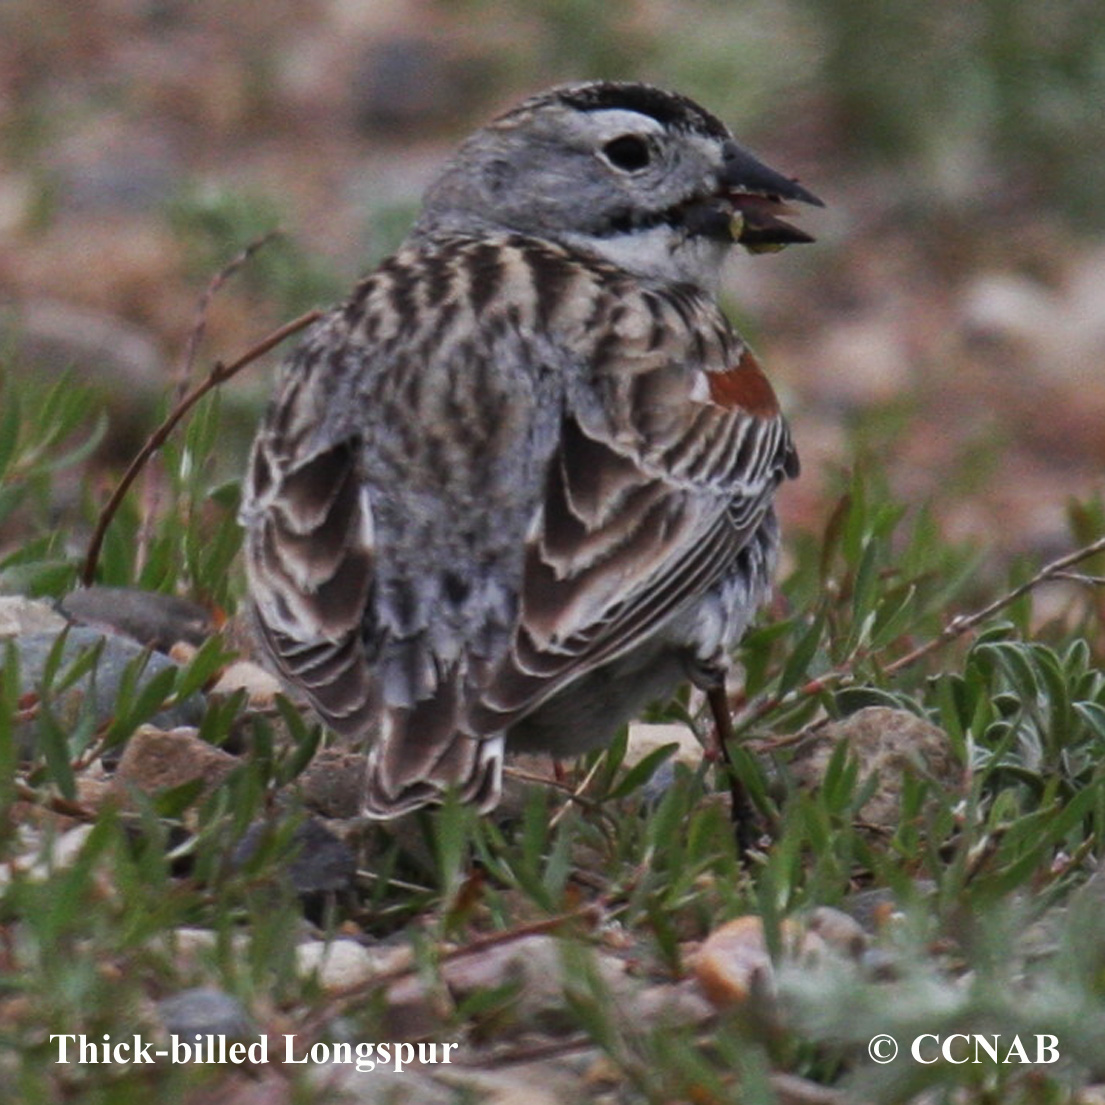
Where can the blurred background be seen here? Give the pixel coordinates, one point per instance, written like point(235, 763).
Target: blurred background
point(947, 330)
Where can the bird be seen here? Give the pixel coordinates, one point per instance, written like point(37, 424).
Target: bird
point(521, 482)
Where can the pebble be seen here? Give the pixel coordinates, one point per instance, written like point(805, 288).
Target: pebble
point(645, 739)
point(532, 967)
point(261, 686)
point(332, 783)
point(19, 615)
point(148, 617)
point(888, 743)
point(319, 863)
point(522, 1084)
point(158, 759)
point(382, 1086)
point(205, 1010)
point(841, 932)
point(404, 83)
point(535, 966)
point(99, 688)
point(44, 855)
point(733, 966)
point(337, 964)
point(55, 336)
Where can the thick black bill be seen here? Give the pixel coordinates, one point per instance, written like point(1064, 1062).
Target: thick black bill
point(758, 196)
point(741, 172)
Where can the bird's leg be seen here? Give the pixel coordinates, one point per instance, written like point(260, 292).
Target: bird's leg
point(710, 678)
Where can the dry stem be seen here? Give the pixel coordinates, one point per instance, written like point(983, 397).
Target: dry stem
point(957, 627)
point(219, 374)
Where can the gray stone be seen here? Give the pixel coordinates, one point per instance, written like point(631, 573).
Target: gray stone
point(53, 336)
point(149, 617)
point(204, 1011)
point(320, 862)
point(97, 690)
point(382, 1086)
point(333, 783)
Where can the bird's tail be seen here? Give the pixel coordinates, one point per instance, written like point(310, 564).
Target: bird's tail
point(421, 753)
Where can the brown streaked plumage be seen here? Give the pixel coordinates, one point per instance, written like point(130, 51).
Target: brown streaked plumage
point(521, 482)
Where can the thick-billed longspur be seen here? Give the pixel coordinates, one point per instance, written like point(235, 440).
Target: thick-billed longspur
point(521, 482)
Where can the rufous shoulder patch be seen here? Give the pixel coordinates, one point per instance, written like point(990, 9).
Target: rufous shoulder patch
point(744, 386)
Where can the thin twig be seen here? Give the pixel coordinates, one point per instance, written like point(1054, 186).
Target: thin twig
point(958, 626)
point(340, 999)
point(576, 796)
point(964, 623)
point(219, 374)
point(199, 327)
point(1081, 577)
point(153, 478)
point(523, 776)
point(53, 802)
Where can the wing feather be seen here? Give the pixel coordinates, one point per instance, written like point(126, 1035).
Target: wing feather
point(632, 531)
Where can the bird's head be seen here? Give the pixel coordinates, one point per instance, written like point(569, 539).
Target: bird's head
point(646, 178)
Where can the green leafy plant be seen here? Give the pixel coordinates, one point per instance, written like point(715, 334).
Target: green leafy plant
point(877, 609)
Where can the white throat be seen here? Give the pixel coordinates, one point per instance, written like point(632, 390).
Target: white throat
point(660, 253)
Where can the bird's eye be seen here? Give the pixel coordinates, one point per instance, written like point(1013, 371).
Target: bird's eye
point(628, 152)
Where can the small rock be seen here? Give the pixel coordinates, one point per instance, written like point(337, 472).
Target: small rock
point(733, 964)
point(94, 790)
point(1005, 306)
point(261, 687)
point(105, 168)
point(534, 965)
point(100, 687)
point(382, 1086)
point(412, 1012)
point(1061, 325)
point(148, 617)
point(52, 854)
point(337, 964)
point(531, 967)
point(888, 743)
point(332, 784)
point(256, 1086)
point(54, 337)
point(320, 862)
point(204, 1011)
point(668, 1003)
point(19, 615)
point(792, 1090)
point(191, 948)
point(157, 760)
point(403, 83)
point(867, 360)
point(524, 771)
point(538, 1083)
point(190, 941)
point(842, 933)
point(645, 739)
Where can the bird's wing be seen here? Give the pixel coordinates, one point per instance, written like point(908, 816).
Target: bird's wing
point(309, 543)
point(651, 497)
point(385, 513)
